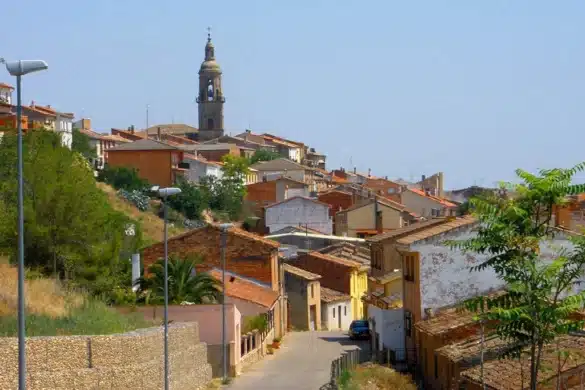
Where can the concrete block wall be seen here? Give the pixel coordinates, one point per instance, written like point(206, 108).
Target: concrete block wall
point(121, 361)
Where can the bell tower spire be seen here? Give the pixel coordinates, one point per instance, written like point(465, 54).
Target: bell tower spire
point(210, 98)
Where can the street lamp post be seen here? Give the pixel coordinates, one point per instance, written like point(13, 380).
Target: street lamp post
point(165, 193)
point(223, 228)
point(19, 69)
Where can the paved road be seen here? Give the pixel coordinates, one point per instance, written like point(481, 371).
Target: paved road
point(303, 362)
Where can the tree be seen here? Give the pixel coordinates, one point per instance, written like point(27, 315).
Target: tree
point(125, 178)
point(81, 143)
point(191, 201)
point(541, 295)
point(263, 155)
point(184, 284)
point(71, 231)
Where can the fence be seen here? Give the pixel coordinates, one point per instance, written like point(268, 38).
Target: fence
point(348, 361)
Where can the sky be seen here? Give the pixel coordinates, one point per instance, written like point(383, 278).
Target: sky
point(474, 89)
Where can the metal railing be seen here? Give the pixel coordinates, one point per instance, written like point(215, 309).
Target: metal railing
point(348, 361)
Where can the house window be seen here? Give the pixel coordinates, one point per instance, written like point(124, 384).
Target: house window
point(344, 311)
point(408, 323)
point(312, 291)
point(391, 190)
point(333, 312)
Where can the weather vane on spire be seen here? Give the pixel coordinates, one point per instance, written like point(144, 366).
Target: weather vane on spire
point(209, 33)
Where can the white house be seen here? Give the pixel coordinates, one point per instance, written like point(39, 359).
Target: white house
point(297, 211)
point(198, 168)
point(387, 326)
point(64, 126)
point(335, 309)
point(6, 93)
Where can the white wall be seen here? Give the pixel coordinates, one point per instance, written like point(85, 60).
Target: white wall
point(294, 154)
point(198, 170)
point(330, 321)
point(389, 325)
point(299, 211)
point(445, 274)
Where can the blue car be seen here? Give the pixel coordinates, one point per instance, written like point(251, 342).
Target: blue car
point(359, 329)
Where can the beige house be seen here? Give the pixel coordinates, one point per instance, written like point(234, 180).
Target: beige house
point(274, 169)
point(427, 205)
point(304, 297)
point(370, 218)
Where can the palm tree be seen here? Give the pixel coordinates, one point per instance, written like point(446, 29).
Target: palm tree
point(185, 285)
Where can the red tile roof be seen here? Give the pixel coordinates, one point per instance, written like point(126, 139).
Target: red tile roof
point(329, 295)
point(335, 259)
point(298, 197)
point(244, 289)
point(444, 202)
point(3, 85)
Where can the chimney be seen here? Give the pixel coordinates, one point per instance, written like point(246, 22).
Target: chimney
point(354, 170)
point(48, 106)
point(32, 103)
point(264, 179)
point(428, 313)
point(369, 172)
point(158, 133)
point(248, 131)
point(286, 192)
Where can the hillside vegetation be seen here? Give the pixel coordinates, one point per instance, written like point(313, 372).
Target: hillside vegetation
point(375, 377)
point(53, 310)
point(152, 225)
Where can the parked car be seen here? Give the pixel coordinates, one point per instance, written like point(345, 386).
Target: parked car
point(359, 329)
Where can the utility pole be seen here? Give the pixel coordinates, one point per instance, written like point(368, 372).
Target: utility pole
point(147, 107)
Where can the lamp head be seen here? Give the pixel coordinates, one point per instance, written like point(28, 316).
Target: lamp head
point(169, 191)
point(22, 67)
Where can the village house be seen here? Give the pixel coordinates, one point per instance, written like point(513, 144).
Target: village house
point(215, 151)
point(355, 251)
point(372, 217)
point(314, 159)
point(427, 205)
point(63, 123)
point(247, 255)
point(258, 139)
point(156, 162)
point(6, 93)
point(571, 215)
point(384, 187)
point(176, 129)
point(198, 167)
point(280, 167)
point(129, 134)
point(336, 309)
point(296, 211)
point(267, 192)
point(342, 275)
point(338, 200)
point(300, 239)
point(291, 150)
point(304, 298)
point(242, 142)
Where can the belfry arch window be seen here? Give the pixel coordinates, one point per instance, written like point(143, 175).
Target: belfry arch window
point(209, 91)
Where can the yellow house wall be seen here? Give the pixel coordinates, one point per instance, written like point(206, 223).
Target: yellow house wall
point(359, 287)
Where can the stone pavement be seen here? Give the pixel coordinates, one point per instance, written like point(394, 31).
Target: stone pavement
point(303, 362)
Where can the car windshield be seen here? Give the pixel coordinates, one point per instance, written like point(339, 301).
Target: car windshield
point(360, 324)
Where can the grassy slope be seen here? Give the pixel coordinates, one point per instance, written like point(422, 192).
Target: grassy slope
point(51, 310)
point(152, 225)
point(375, 377)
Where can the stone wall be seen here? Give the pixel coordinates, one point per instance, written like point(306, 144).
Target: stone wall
point(131, 360)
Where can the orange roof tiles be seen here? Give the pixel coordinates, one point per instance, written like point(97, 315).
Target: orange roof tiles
point(505, 374)
point(449, 225)
point(4, 85)
point(244, 289)
point(300, 272)
point(329, 295)
point(335, 259)
point(444, 202)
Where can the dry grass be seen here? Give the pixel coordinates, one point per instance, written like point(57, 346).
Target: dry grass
point(375, 377)
point(152, 225)
point(43, 296)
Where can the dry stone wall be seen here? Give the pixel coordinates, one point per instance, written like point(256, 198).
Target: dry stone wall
point(131, 360)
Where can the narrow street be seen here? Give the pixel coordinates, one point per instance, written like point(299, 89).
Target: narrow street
point(303, 362)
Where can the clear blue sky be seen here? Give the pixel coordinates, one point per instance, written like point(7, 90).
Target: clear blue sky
point(472, 88)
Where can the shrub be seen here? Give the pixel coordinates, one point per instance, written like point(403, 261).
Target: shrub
point(372, 376)
point(123, 178)
point(259, 322)
point(137, 198)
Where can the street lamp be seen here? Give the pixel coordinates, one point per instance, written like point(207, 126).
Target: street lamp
point(165, 193)
point(19, 69)
point(224, 228)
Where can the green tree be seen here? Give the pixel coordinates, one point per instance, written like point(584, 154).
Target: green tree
point(542, 294)
point(263, 155)
point(125, 178)
point(184, 284)
point(70, 228)
point(191, 201)
point(81, 143)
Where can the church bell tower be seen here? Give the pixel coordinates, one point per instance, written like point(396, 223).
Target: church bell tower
point(210, 98)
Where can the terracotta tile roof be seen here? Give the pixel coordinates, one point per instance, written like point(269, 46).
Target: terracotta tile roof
point(394, 234)
point(251, 236)
point(335, 259)
point(388, 277)
point(300, 272)
point(279, 164)
point(117, 138)
point(274, 137)
point(202, 160)
point(35, 109)
point(174, 129)
point(245, 289)
point(392, 205)
point(505, 374)
point(469, 349)
point(143, 144)
point(443, 202)
point(437, 230)
point(349, 251)
point(328, 295)
point(3, 85)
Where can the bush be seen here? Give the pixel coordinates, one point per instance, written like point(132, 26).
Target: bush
point(259, 322)
point(123, 178)
point(137, 198)
point(372, 376)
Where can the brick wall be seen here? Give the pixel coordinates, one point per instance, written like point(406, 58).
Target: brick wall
point(245, 256)
point(333, 275)
point(131, 360)
point(337, 200)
